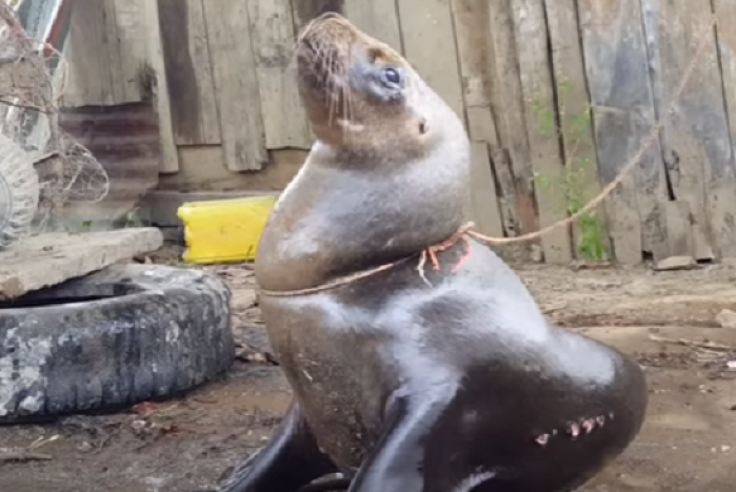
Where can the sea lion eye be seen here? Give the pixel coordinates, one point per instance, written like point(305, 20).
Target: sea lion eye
point(392, 76)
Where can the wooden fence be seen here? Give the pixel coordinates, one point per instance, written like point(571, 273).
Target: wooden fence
point(557, 97)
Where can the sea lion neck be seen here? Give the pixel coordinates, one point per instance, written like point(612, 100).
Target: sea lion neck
point(338, 219)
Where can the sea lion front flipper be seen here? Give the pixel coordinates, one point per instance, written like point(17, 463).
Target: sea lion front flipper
point(395, 464)
point(290, 460)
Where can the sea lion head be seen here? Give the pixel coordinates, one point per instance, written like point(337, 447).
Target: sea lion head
point(387, 175)
point(360, 94)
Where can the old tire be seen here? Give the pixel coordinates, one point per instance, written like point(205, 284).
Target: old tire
point(19, 191)
point(123, 335)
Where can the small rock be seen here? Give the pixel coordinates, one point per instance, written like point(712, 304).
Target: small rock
point(85, 447)
point(676, 263)
point(537, 255)
point(244, 298)
point(726, 318)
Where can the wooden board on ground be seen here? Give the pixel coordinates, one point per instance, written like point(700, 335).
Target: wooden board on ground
point(34, 263)
point(515, 178)
point(695, 136)
point(538, 94)
point(236, 85)
point(573, 106)
point(378, 18)
point(272, 30)
point(189, 72)
point(623, 113)
point(429, 45)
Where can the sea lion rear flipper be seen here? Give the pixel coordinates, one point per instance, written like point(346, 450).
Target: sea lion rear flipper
point(395, 464)
point(290, 460)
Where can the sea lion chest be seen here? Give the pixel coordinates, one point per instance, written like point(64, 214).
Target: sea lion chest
point(346, 351)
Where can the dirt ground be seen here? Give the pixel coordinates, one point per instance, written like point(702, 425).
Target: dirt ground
point(672, 322)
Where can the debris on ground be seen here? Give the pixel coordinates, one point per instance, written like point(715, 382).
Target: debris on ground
point(726, 318)
point(676, 263)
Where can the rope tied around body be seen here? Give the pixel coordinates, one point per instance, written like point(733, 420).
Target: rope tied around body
point(466, 231)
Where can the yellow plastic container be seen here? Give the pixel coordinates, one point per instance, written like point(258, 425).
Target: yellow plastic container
point(224, 231)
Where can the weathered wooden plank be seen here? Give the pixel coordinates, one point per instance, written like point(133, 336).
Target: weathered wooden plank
point(623, 111)
point(89, 72)
point(725, 13)
point(429, 45)
point(719, 174)
point(189, 72)
point(513, 164)
point(128, 50)
point(112, 48)
point(236, 85)
point(159, 84)
point(574, 112)
point(483, 199)
point(477, 54)
point(378, 18)
point(475, 49)
point(306, 10)
point(682, 151)
point(679, 228)
point(539, 105)
point(49, 259)
point(284, 119)
point(105, 53)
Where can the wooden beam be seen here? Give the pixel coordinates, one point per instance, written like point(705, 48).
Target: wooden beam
point(429, 45)
point(475, 53)
point(575, 115)
point(284, 119)
point(236, 85)
point(189, 72)
point(516, 177)
point(538, 95)
point(623, 113)
point(696, 141)
point(169, 151)
point(378, 18)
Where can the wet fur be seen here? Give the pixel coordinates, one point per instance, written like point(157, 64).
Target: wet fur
point(400, 386)
point(364, 196)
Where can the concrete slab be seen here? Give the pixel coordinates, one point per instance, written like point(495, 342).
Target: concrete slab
point(50, 259)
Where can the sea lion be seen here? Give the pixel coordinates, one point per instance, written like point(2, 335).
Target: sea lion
point(450, 381)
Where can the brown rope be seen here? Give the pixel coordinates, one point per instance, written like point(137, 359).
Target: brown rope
point(465, 231)
point(338, 282)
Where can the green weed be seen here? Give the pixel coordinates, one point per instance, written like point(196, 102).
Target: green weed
point(590, 244)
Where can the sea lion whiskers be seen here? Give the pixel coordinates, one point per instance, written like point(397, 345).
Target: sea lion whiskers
point(325, 50)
